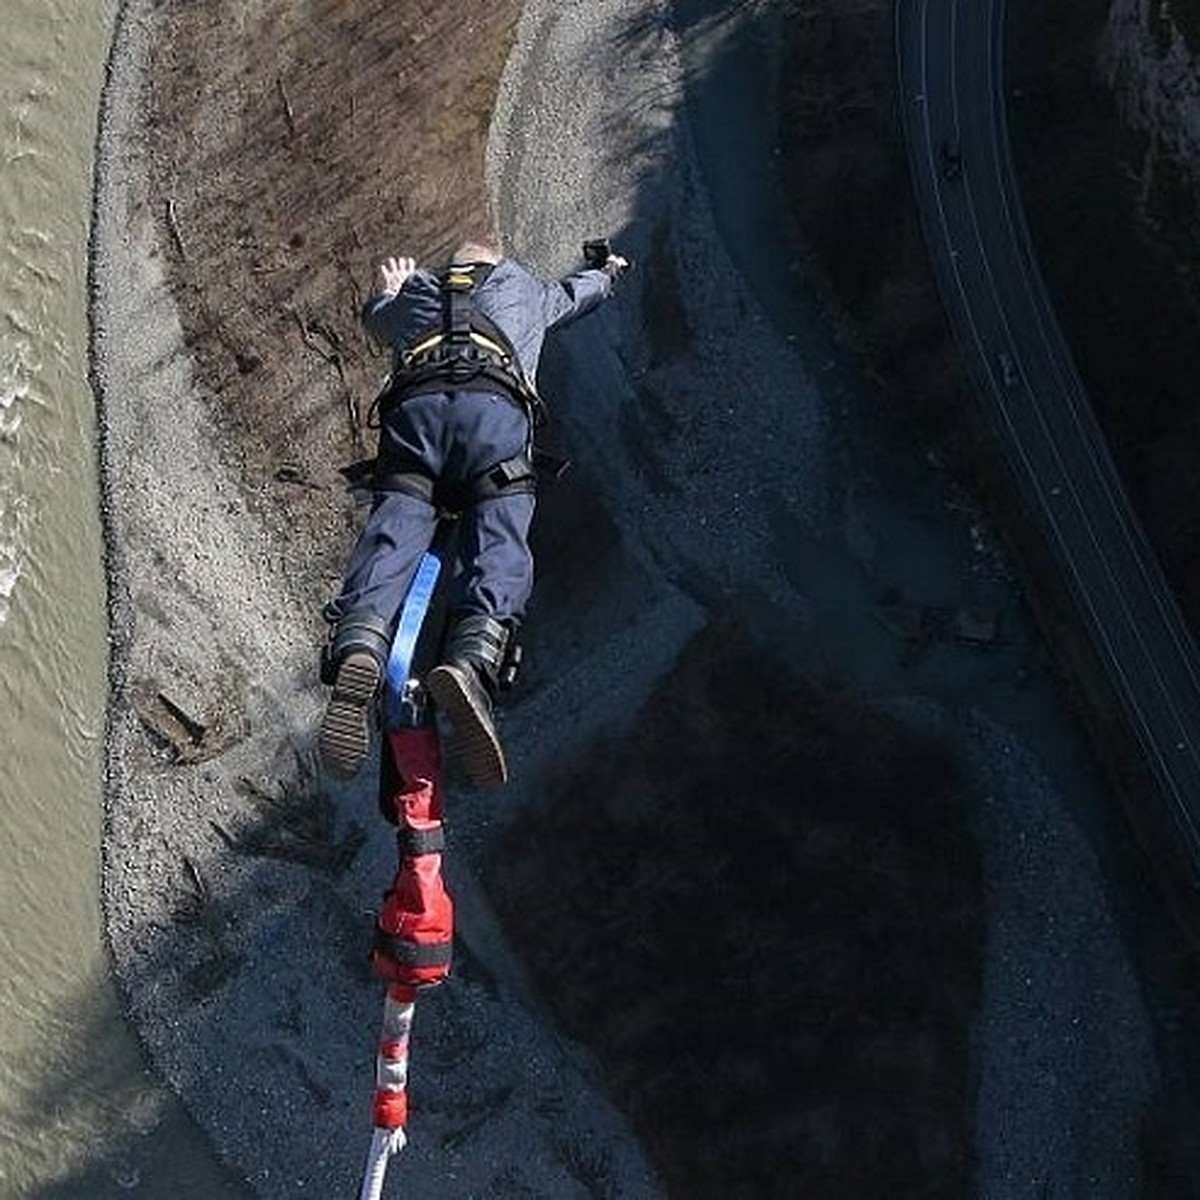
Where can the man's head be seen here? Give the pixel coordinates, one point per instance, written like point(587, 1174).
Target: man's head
point(474, 251)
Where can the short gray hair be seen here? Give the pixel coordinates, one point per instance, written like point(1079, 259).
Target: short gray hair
point(475, 251)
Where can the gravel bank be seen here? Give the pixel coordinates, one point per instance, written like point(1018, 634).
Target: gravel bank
point(236, 886)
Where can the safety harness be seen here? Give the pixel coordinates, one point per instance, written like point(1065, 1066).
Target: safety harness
point(467, 351)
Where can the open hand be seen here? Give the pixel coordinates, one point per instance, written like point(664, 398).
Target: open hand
point(393, 272)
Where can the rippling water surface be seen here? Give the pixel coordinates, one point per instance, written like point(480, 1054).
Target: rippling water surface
point(78, 1114)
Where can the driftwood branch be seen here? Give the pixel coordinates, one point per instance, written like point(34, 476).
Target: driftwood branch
point(176, 232)
point(288, 111)
point(355, 418)
point(333, 353)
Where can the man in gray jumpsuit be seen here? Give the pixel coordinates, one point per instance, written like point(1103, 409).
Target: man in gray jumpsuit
point(455, 435)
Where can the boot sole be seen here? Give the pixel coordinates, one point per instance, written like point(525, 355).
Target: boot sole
point(472, 741)
point(345, 736)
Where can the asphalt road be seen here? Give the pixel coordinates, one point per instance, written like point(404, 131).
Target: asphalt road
point(950, 62)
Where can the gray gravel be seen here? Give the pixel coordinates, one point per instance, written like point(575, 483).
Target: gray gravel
point(244, 975)
point(1063, 1039)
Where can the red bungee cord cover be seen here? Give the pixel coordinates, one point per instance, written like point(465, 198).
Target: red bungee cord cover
point(415, 931)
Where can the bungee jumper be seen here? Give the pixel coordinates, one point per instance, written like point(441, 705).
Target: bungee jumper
point(456, 425)
point(456, 429)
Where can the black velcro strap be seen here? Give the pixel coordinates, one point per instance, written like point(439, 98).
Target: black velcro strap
point(511, 477)
point(412, 954)
point(412, 842)
point(411, 483)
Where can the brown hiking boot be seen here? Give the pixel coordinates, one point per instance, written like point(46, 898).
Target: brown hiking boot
point(353, 663)
point(463, 688)
point(345, 737)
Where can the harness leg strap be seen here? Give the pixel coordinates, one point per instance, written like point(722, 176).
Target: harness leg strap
point(513, 477)
point(411, 483)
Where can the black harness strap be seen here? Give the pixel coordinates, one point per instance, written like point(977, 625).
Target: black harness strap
point(457, 286)
point(513, 477)
point(469, 351)
point(412, 483)
point(412, 842)
point(412, 954)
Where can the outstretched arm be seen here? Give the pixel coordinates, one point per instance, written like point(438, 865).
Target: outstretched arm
point(581, 291)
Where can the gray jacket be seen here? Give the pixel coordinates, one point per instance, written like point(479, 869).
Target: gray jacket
point(522, 306)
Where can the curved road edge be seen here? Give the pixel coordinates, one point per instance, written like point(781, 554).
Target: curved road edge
point(952, 107)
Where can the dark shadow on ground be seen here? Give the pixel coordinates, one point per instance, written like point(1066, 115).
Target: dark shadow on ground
point(760, 908)
point(761, 914)
point(1113, 218)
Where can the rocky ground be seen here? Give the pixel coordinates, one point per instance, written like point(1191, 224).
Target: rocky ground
point(744, 923)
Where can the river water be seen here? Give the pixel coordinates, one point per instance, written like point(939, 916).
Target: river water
point(79, 1114)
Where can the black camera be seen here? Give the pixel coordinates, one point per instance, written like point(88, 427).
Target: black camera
point(596, 252)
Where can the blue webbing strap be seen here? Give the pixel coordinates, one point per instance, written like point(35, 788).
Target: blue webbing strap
point(399, 665)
